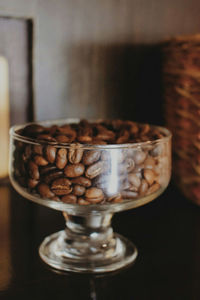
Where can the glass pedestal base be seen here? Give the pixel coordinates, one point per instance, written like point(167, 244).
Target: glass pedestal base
point(61, 252)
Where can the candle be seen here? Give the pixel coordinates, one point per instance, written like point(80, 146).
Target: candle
point(4, 117)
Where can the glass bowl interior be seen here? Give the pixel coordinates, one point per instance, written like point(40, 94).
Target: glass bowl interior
point(161, 162)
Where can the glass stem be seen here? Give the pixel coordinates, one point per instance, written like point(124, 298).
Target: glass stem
point(89, 236)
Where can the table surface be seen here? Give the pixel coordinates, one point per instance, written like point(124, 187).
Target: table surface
point(166, 232)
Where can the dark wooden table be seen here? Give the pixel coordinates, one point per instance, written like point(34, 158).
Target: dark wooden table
point(166, 232)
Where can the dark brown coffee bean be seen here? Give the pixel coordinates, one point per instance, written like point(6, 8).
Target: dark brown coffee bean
point(123, 136)
point(27, 153)
point(74, 170)
point(49, 177)
point(40, 160)
point(84, 139)
point(22, 181)
point(61, 158)
point(115, 199)
point(95, 169)
point(70, 199)
point(45, 191)
point(94, 195)
point(46, 169)
point(139, 157)
point(50, 153)
point(38, 149)
point(32, 183)
point(33, 170)
point(82, 201)
point(75, 154)
point(46, 137)
point(149, 163)
point(105, 135)
point(134, 180)
point(153, 188)
point(143, 187)
point(86, 182)
point(61, 186)
point(129, 195)
point(144, 129)
point(78, 190)
point(62, 139)
point(149, 175)
point(96, 141)
point(32, 129)
point(91, 157)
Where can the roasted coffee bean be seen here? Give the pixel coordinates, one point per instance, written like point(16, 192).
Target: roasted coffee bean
point(82, 181)
point(144, 129)
point(61, 158)
point(149, 163)
point(75, 170)
point(70, 199)
point(49, 177)
point(75, 154)
point(32, 183)
point(94, 195)
point(82, 201)
point(27, 153)
point(91, 156)
point(123, 137)
point(40, 160)
point(46, 137)
point(33, 129)
point(33, 170)
point(149, 175)
point(139, 157)
point(105, 135)
point(38, 149)
point(62, 139)
point(46, 169)
point(143, 187)
point(115, 199)
point(129, 195)
point(85, 139)
point(50, 153)
point(94, 170)
point(134, 180)
point(45, 191)
point(78, 190)
point(61, 186)
point(153, 188)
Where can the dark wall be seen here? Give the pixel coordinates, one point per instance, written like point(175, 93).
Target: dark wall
point(101, 58)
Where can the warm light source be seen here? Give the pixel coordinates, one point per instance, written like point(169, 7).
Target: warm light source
point(4, 117)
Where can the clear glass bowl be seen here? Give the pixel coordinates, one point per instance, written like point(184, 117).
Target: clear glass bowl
point(88, 183)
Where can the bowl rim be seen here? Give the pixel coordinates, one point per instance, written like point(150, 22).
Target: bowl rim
point(13, 134)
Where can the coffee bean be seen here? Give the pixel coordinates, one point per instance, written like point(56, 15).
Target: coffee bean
point(27, 153)
point(40, 160)
point(149, 163)
point(50, 153)
point(129, 195)
point(153, 188)
point(115, 199)
point(78, 190)
point(45, 191)
point(46, 169)
point(94, 195)
point(33, 170)
point(70, 199)
point(49, 177)
point(61, 158)
point(82, 181)
point(38, 149)
point(84, 139)
point(75, 154)
point(143, 187)
point(139, 157)
point(91, 156)
point(33, 129)
point(82, 201)
point(149, 175)
point(62, 139)
point(46, 137)
point(61, 186)
point(123, 136)
point(94, 170)
point(75, 170)
point(134, 180)
point(32, 183)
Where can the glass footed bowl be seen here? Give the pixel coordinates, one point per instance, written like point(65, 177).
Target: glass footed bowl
point(88, 183)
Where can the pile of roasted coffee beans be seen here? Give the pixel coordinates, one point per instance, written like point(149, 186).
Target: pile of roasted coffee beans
point(62, 165)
